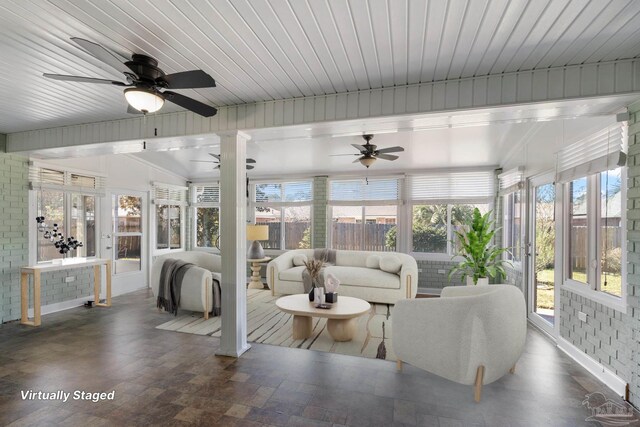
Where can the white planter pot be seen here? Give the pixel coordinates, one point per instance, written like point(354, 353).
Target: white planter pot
point(481, 281)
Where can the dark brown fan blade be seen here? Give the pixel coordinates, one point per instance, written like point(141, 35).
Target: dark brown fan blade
point(187, 80)
point(250, 167)
point(190, 104)
point(395, 149)
point(358, 159)
point(80, 79)
point(386, 156)
point(217, 156)
point(204, 161)
point(335, 155)
point(359, 147)
point(250, 161)
point(102, 54)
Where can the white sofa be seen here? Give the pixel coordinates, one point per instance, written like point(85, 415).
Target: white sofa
point(356, 279)
point(470, 335)
point(196, 293)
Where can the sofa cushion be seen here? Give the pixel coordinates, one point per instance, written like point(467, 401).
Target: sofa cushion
point(373, 261)
point(293, 274)
point(299, 259)
point(390, 264)
point(365, 277)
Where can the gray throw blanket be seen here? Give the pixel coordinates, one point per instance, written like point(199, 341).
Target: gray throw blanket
point(326, 255)
point(171, 275)
point(217, 298)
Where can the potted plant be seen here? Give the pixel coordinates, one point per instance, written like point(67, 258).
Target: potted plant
point(482, 259)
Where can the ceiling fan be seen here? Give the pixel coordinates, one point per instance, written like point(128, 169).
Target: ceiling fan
point(369, 153)
point(145, 80)
point(250, 162)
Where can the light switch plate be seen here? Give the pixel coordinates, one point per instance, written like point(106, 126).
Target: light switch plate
point(69, 279)
point(582, 316)
point(441, 272)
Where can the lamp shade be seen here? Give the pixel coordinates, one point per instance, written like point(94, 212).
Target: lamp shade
point(144, 100)
point(257, 232)
point(367, 161)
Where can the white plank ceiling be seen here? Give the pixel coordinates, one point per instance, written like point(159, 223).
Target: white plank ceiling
point(272, 49)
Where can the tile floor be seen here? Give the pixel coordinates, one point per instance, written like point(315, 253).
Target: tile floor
point(169, 378)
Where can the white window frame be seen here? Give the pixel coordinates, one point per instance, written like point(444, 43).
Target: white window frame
point(435, 256)
point(400, 211)
point(517, 264)
point(193, 209)
point(153, 218)
point(591, 289)
point(281, 205)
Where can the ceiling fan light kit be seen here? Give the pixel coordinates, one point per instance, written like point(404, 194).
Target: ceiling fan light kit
point(145, 81)
point(370, 152)
point(144, 100)
point(367, 161)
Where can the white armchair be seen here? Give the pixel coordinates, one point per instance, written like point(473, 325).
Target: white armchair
point(470, 335)
point(196, 293)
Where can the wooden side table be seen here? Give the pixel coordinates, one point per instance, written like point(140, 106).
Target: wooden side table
point(255, 282)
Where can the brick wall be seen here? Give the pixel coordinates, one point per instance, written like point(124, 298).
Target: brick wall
point(319, 238)
point(603, 337)
point(632, 319)
point(13, 232)
point(435, 274)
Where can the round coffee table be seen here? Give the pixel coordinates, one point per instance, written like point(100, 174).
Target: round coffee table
point(341, 317)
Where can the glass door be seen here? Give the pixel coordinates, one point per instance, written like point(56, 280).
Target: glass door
point(125, 241)
point(542, 280)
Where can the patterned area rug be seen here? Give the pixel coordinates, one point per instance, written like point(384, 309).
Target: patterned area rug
point(268, 325)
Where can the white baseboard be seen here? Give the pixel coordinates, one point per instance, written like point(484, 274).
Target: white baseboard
point(66, 305)
point(615, 383)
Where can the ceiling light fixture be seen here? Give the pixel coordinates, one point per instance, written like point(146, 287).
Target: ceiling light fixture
point(144, 100)
point(367, 161)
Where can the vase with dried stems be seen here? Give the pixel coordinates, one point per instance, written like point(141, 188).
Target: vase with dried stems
point(313, 267)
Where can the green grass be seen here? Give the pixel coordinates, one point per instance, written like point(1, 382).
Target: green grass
point(545, 286)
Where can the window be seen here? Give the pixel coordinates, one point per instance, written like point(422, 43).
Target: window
point(127, 233)
point(206, 204)
point(68, 203)
point(169, 203)
point(433, 226)
point(285, 207)
point(512, 225)
point(364, 214)
point(595, 230)
point(441, 203)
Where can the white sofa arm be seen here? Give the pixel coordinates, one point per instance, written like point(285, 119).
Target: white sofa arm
point(275, 266)
point(409, 277)
point(196, 293)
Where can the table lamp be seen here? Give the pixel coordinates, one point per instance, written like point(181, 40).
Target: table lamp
point(256, 233)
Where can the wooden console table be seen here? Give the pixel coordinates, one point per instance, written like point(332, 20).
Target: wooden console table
point(37, 270)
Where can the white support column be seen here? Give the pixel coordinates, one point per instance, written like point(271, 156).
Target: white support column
point(233, 214)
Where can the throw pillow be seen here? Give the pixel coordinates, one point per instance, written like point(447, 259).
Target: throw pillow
point(390, 264)
point(372, 261)
point(299, 259)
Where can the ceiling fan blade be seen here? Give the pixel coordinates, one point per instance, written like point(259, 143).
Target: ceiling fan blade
point(386, 156)
point(187, 80)
point(80, 79)
point(217, 156)
point(102, 54)
point(250, 167)
point(204, 161)
point(251, 161)
point(359, 147)
point(395, 149)
point(357, 160)
point(335, 155)
point(190, 104)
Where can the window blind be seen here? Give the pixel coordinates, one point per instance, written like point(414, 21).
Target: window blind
point(362, 190)
point(206, 194)
point(511, 180)
point(287, 192)
point(47, 178)
point(604, 150)
point(164, 194)
point(452, 186)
